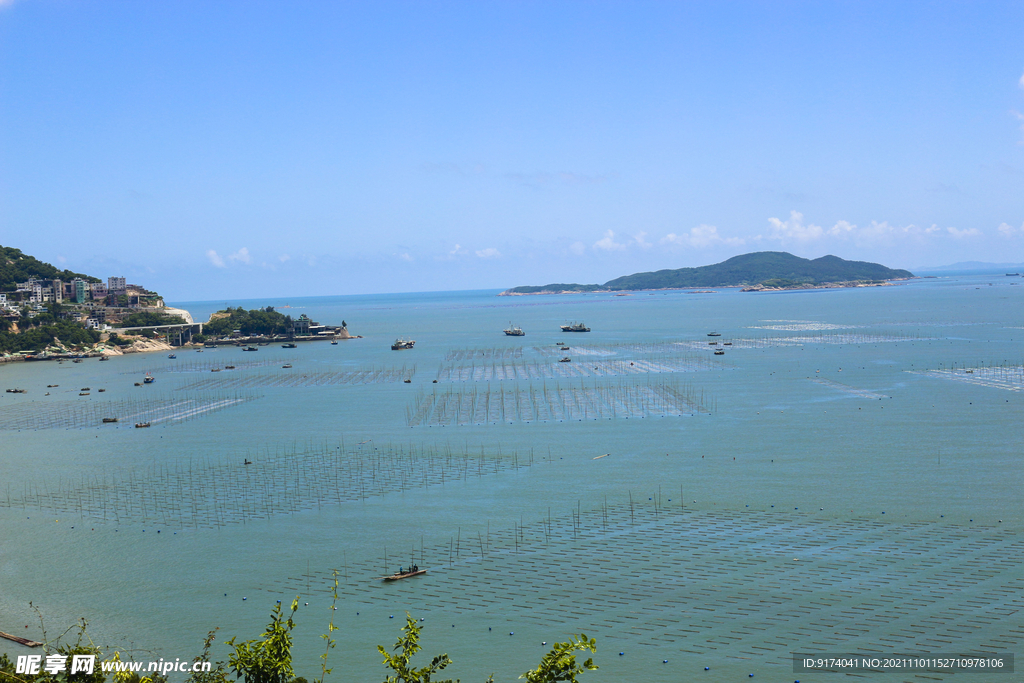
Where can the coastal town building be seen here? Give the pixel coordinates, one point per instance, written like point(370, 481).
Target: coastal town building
point(117, 285)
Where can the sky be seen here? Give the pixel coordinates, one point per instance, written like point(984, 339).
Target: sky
point(255, 148)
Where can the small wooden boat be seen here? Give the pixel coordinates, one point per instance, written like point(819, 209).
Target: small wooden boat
point(229, 367)
point(286, 366)
point(407, 381)
point(83, 393)
point(102, 390)
point(172, 356)
point(141, 425)
point(289, 345)
point(16, 391)
point(51, 386)
point(148, 379)
point(104, 357)
point(566, 359)
point(109, 419)
point(714, 334)
point(250, 348)
point(719, 352)
point(20, 640)
point(214, 369)
point(77, 360)
point(400, 574)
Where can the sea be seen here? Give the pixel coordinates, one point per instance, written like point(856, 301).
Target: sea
point(834, 471)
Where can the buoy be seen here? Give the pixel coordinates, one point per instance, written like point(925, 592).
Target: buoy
point(620, 654)
point(245, 598)
point(707, 668)
point(664, 661)
point(511, 633)
point(307, 604)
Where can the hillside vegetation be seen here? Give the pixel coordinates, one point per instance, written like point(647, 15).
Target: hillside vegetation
point(17, 267)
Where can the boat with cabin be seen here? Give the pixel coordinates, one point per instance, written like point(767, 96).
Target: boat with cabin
point(575, 327)
point(514, 330)
point(403, 344)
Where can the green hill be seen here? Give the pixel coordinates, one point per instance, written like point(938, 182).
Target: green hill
point(17, 267)
point(769, 268)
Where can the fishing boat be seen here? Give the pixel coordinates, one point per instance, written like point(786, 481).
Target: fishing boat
point(229, 367)
point(514, 330)
point(565, 359)
point(172, 356)
point(141, 425)
point(334, 342)
point(104, 357)
point(289, 345)
point(714, 334)
point(575, 327)
point(250, 348)
point(719, 352)
point(109, 419)
point(214, 369)
point(17, 391)
point(286, 365)
point(148, 379)
point(405, 573)
point(402, 344)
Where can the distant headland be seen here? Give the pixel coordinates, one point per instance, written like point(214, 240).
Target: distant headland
point(759, 271)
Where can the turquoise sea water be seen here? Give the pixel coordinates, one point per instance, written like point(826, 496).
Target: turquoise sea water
point(836, 481)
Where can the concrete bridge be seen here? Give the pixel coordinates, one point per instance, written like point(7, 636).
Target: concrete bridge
point(182, 333)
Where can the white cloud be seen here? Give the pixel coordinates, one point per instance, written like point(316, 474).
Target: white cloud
point(489, 252)
point(794, 228)
point(215, 258)
point(1021, 82)
point(960, 234)
point(1008, 230)
point(284, 257)
point(457, 251)
point(841, 229)
point(700, 237)
point(242, 256)
point(578, 248)
point(608, 243)
point(405, 257)
point(640, 241)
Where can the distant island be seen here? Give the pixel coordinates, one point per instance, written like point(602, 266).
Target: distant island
point(759, 271)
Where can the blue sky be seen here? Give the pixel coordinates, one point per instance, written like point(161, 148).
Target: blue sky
point(230, 149)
